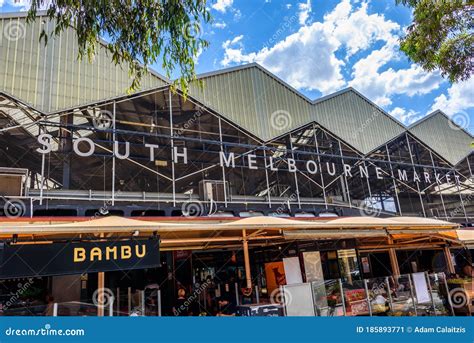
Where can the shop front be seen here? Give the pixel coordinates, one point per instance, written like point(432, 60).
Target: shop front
point(66, 276)
point(118, 266)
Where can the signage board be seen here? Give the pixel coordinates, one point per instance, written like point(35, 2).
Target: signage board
point(32, 260)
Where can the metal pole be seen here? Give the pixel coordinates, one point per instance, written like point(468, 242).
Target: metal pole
point(412, 294)
point(236, 287)
point(320, 166)
point(460, 195)
point(129, 294)
point(111, 308)
point(114, 137)
point(296, 177)
point(368, 297)
point(43, 159)
point(223, 168)
point(55, 309)
point(248, 274)
point(282, 297)
point(266, 179)
point(395, 188)
point(257, 295)
point(414, 170)
point(142, 300)
point(348, 193)
point(440, 192)
point(431, 292)
point(389, 291)
point(448, 294)
point(172, 147)
point(100, 294)
point(342, 297)
point(158, 304)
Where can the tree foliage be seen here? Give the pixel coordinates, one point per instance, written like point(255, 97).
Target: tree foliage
point(137, 33)
point(441, 36)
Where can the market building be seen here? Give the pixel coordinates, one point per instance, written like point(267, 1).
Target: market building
point(336, 181)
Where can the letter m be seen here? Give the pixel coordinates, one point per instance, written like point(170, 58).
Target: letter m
point(227, 161)
point(402, 175)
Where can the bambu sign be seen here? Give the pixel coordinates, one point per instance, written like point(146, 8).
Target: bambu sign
point(30, 260)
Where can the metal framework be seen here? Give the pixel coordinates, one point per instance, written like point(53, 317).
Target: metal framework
point(187, 139)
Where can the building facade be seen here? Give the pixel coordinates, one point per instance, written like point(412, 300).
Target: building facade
point(74, 144)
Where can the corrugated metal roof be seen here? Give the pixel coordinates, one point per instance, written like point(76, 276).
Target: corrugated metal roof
point(255, 100)
point(352, 117)
point(268, 107)
point(443, 136)
point(50, 77)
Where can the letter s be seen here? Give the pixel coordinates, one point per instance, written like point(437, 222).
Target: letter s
point(45, 140)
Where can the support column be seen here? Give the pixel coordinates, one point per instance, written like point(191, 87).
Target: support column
point(393, 259)
point(248, 275)
point(114, 139)
point(65, 147)
point(449, 260)
point(100, 294)
point(100, 291)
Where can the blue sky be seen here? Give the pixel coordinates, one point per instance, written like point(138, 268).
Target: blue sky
point(322, 46)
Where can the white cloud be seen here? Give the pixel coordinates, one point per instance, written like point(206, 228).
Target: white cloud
point(380, 86)
point(219, 25)
point(304, 11)
point(222, 5)
point(357, 29)
point(288, 6)
point(459, 98)
point(312, 57)
point(407, 117)
point(304, 59)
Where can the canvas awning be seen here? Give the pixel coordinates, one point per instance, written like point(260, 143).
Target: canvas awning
point(464, 237)
point(196, 232)
point(120, 224)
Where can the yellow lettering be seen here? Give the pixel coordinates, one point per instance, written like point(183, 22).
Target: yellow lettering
point(126, 252)
point(79, 254)
point(137, 250)
point(96, 253)
point(109, 250)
